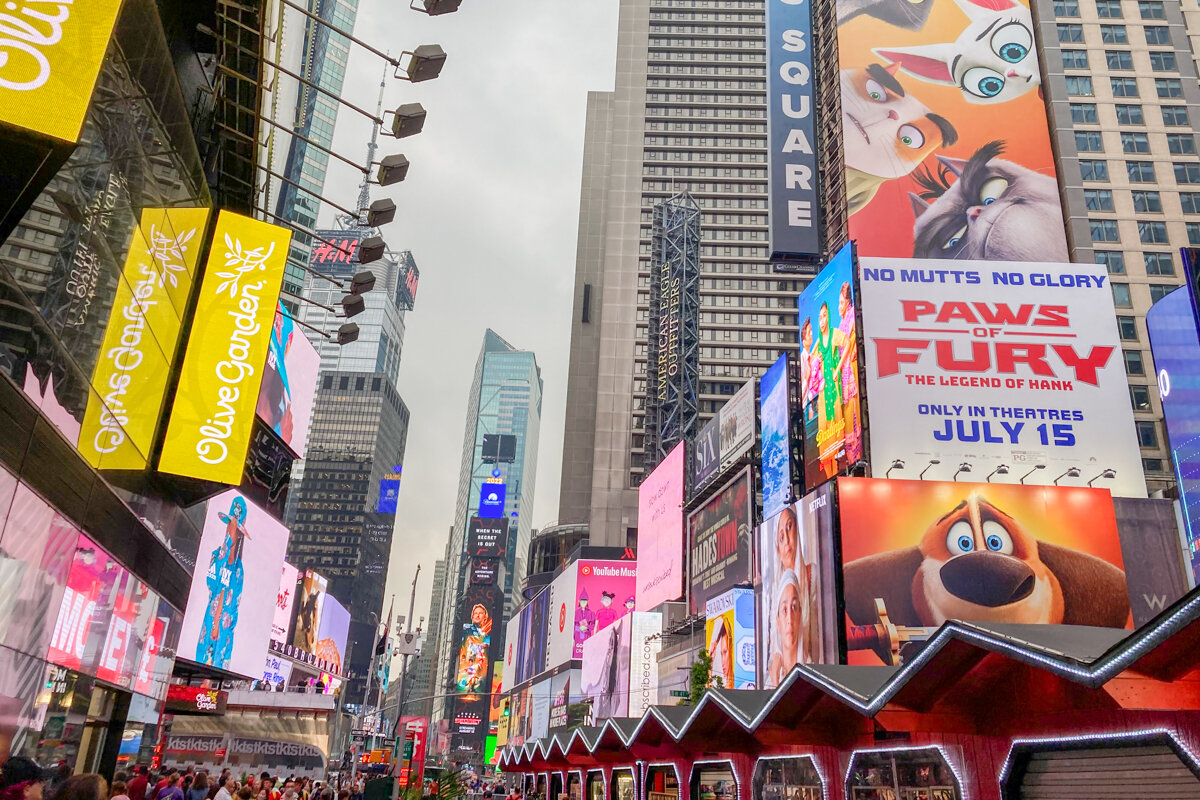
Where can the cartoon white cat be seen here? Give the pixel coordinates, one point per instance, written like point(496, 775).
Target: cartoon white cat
point(992, 61)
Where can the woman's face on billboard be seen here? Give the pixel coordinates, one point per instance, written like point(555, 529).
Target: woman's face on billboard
point(785, 539)
point(787, 620)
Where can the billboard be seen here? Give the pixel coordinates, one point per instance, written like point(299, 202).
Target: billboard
point(389, 494)
point(484, 571)
point(332, 635)
point(267, 473)
point(563, 633)
point(230, 607)
point(737, 425)
point(487, 538)
point(796, 586)
point(567, 709)
point(277, 672)
point(313, 591)
point(414, 741)
point(512, 642)
point(660, 532)
point(729, 639)
point(1176, 346)
point(605, 673)
point(775, 415)
point(706, 454)
point(604, 592)
point(478, 611)
point(491, 500)
point(929, 551)
point(539, 723)
point(531, 659)
point(791, 131)
point(289, 383)
point(645, 642)
point(129, 375)
point(219, 381)
point(719, 538)
point(946, 145)
point(998, 364)
point(193, 701)
point(829, 396)
point(285, 601)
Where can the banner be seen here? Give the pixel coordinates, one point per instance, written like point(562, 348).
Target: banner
point(775, 415)
point(719, 539)
point(737, 425)
point(660, 532)
point(645, 642)
point(565, 638)
point(729, 639)
point(829, 395)
point(929, 551)
point(944, 133)
point(289, 384)
point(215, 403)
point(1011, 368)
point(389, 494)
point(706, 453)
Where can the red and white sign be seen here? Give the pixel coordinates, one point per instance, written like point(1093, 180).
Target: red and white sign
point(989, 364)
point(82, 625)
point(147, 680)
point(560, 647)
point(193, 700)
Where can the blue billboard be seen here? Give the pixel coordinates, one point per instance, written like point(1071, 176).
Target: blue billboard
point(793, 204)
point(491, 500)
point(1175, 343)
point(389, 493)
point(775, 415)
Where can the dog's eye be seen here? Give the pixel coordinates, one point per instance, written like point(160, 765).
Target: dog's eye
point(960, 539)
point(997, 538)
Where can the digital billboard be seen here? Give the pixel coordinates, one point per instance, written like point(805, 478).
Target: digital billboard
point(996, 364)
point(706, 454)
point(277, 672)
point(267, 473)
point(775, 415)
point(289, 383)
point(231, 606)
point(512, 641)
point(796, 586)
point(605, 673)
point(729, 631)
point(491, 500)
point(313, 590)
point(719, 538)
point(567, 709)
point(604, 592)
point(389, 493)
point(795, 208)
point(946, 145)
point(737, 425)
point(332, 635)
point(645, 642)
point(487, 538)
point(929, 551)
point(539, 723)
point(1176, 347)
point(479, 611)
point(532, 658)
point(484, 571)
point(285, 601)
point(660, 532)
point(562, 632)
point(222, 371)
point(829, 395)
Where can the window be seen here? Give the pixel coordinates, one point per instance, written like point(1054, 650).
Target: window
point(1160, 290)
point(1162, 61)
point(1078, 86)
point(1176, 116)
point(1157, 34)
point(1083, 113)
point(1104, 230)
point(1153, 465)
point(1109, 9)
point(1098, 199)
point(1109, 34)
point(1127, 326)
point(1119, 59)
point(1121, 297)
point(1146, 201)
point(1190, 202)
point(1070, 33)
point(1152, 232)
point(1147, 433)
point(1075, 59)
point(1193, 232)
point(1124, 87)
point(1139, 397)
point(1168, 87)
point(1187, 173)
point(1113, 261)
point(1088, 142)
point(1094, 170)
point(1151, 9)
point(1181, 144)
point(1140, 171)
point(1066, 8)
point(1133, 363)
point(1130, 115)
point(1134, 142)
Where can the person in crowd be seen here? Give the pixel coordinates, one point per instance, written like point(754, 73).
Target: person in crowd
point(199, 788)
point(21, 779)
point(62, 773)
point(245, 793)
point(136, 789)
point(185, 782)
point(227, 790)
point(88, 786)
point(169, 776)
point(173, 790)
point(118, 790)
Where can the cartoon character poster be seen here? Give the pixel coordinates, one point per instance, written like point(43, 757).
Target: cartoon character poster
point(604, 592)
point(479, 609)
point(923, 552)
point(946, 142)
point(289, 385)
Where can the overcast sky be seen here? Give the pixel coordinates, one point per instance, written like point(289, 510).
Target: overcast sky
point(490, 211)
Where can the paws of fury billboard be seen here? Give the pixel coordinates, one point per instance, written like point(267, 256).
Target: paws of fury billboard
point(947, 148)
point(992, 364)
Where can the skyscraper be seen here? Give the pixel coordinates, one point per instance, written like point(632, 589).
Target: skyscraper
point(505, 398)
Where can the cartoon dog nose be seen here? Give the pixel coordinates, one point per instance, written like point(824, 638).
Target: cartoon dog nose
point(892, 114)
point(1012, 73)
point(987, 579)
point(973, 212)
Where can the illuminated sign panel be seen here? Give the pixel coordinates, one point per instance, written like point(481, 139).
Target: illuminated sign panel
point(50, 55)
point(222, 371)
point(144, 323)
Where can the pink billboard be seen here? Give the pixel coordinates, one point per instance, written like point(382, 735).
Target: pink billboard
point(660, 533)
point(284, 600)
point(604, 592)
point(289, 385)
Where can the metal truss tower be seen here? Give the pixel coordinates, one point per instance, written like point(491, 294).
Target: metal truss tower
point(673, 351)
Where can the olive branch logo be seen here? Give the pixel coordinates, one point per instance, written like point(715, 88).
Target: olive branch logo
point(242, 261)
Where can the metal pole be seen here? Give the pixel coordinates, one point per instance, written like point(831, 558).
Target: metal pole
point(412, 602)
point(335, 744)
point(363, 705)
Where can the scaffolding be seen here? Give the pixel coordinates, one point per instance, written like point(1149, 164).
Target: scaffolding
point(673, 351)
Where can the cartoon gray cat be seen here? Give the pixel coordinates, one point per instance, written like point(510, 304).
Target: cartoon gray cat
point(907, 14)
point(994, 210)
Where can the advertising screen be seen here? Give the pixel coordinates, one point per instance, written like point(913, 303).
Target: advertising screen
point(222, 371)
point(660, 532)
point(929, 551)
point(1176, 346)
point(479, 611)
point(645, 642)
point(512, 642)
point(990, 365)
point(719, 537)
point(737, 425)
point(775, 415)
point(729, 639)
point(389, 494)
point(829, 396)
point(567, 709)
point(563, 632)
point(491, 500)
point(604, 592)
point(267, 473)
point(285, 602)
point(313, 591)
point(289, 384)
point(539, 724)
point(484, 570)
point(946, 146)
point(229, 612)
point(332, 635)
point(277, 671)
point(605, 673)
point(706, 454)
point(532, 658)
point(796, 581)
point(415, 741)
point(487, 538)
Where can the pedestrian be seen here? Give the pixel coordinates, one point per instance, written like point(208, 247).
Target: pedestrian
point(199, 788)
point(118, 790)
point(169, 776)
point(137, 787)
point(245, 793)
point(227, 790)
point(172, 789)
point(88, 786)
point(21, 779)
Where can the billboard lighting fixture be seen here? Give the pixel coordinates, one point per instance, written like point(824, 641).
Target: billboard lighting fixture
point(435, 8)
point(1073, 472)
point(392, 169)
point(1035, 469)
point(347, 333)
point(963, 467)
point(424, 64)
point(1000, 470)
point(408, 120)
point(353, 305)
point(381, 212)
point(371, 249)
point(896, 464)
point(932, 462)
point(1107, 474)
point(362, 282)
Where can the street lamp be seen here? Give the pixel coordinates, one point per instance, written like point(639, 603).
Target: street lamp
point(1073, 472)
point(1107, 474)
point(896, 464)
point(963, 467)
point(932, 462)
point(1000, 470)
point(1035, 469)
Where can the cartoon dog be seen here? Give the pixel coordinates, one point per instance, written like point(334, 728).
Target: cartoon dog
point(979, 564)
